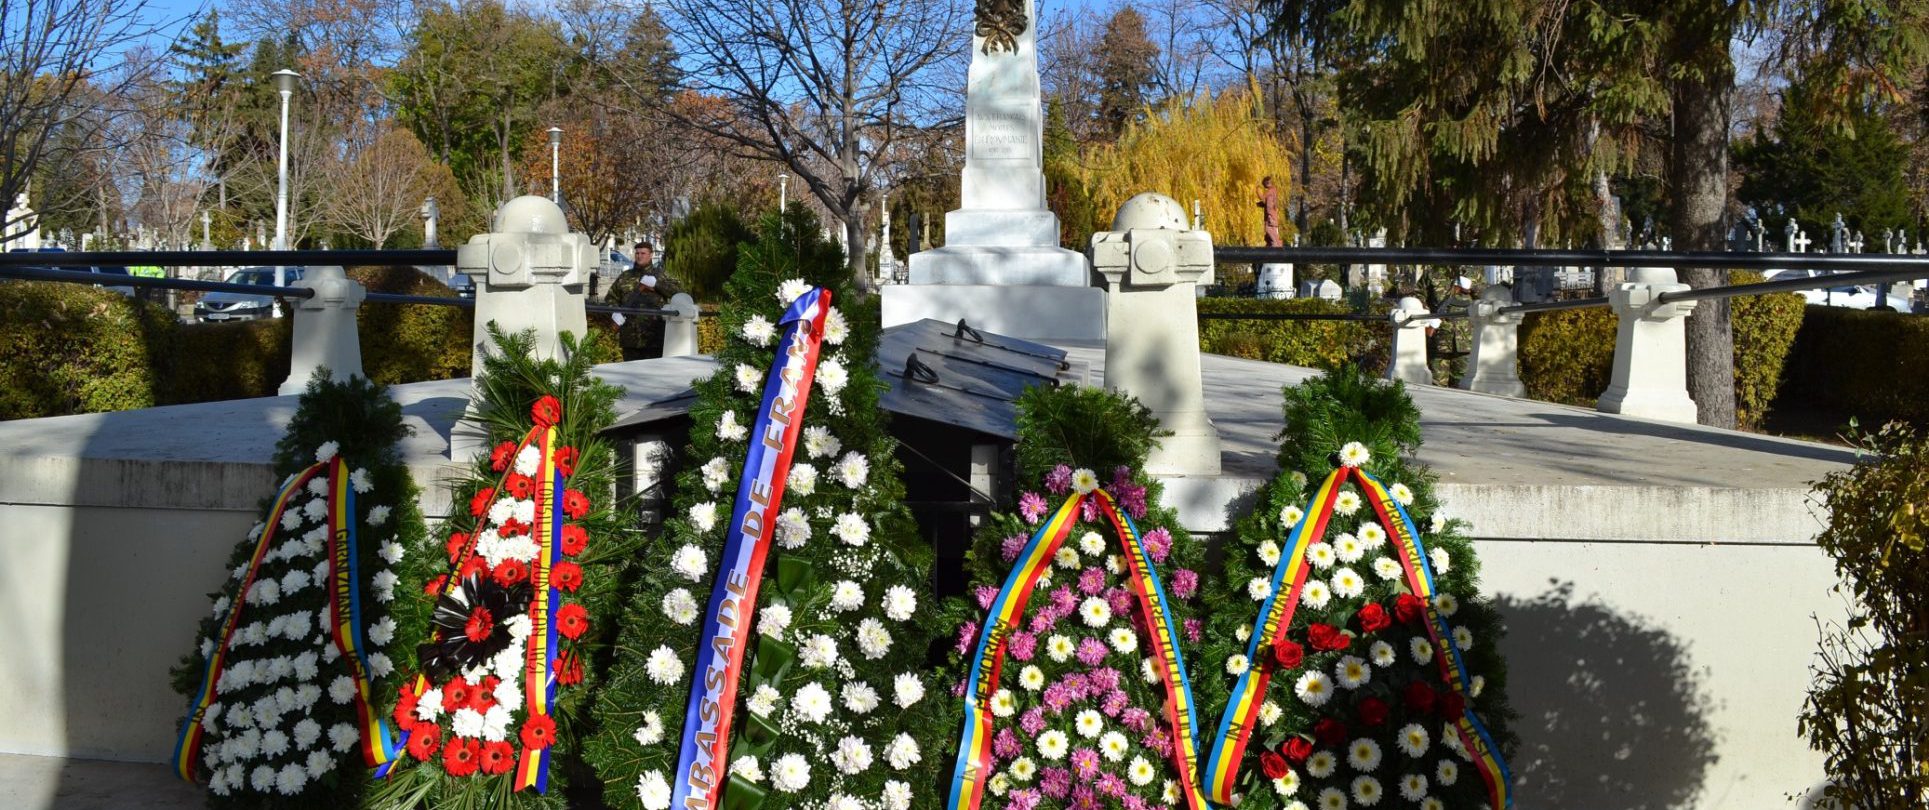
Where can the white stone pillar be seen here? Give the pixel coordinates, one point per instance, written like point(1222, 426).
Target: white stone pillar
point(1411, 320)
point(323, 335)
point(1151, 265)
point(680, 330)
point(1494, 365)
point(529, 274)
point(1650, 349)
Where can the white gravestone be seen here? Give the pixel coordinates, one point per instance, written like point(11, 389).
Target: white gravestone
point(1001, 267)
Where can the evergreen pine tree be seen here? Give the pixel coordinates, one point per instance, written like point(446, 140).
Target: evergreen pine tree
point(1811, 168)
point(281, 726)
point(833, 707)
point(1356, 691)
point(1079, 714)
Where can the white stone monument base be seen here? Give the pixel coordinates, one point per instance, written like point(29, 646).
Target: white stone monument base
point(1020, 311)
point(1014, 265)
point(994, 227)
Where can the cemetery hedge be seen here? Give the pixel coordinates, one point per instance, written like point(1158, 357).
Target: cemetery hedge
point(1873, 366)
point(1316, 344)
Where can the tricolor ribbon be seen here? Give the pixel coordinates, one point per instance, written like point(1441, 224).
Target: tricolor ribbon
point(539, 671)
point(187, 750)
point(697, 782)
point(345, 617)
point(1007, 612)
point(1276, 617)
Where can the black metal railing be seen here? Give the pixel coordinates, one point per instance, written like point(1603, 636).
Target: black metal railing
point(228, 258)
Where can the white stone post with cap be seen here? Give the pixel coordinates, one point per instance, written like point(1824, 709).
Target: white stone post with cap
point(1152, 264)
point(1411, 320)
point(323, 335)
point(1650, 349)
point(1494, 365)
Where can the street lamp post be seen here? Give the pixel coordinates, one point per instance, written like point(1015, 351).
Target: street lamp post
point(285, 82)
point(556, 165)
point(783, 192)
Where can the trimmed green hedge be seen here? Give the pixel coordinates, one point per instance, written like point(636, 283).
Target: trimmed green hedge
point(69, 348)
point(1568, 355)
point(1873, 366)
point(1316, 344)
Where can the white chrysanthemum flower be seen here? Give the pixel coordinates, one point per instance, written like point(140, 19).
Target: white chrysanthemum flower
point(1124, 640)
point(1059, 648)
point(1446, 603)
point(847, 596)
point(1363, 754)
point(495, 723)
point(1401, 493)
point(1476, 685)
point(527, 459)
point(1321, 556)
point(873, 640)
point(318, 487)
point(1242, 633)
point(1315, 594)
point(1031, 678)
point(1354, 454)
point(818, 651)
point(264, 592)
point(1259, 588)
point(1237, 664)
point(326, 452)
point(852, 529)
point(1441, 562)
point(274, 743)
point(802, 480)
point(1149, 672)
point(1023, 769)
point(812, 703)
point(680, 606)
point(1314, 687)
point(820, 443)
point(793, 528)
point(837, 328)
point(1053, 744)
point(502, 510)
point(1332, 799)
point(773, 620)
point(1366, 791)
point(344, 737)
point(1463, 638)
point(716, 472)
point(1269, 713)
point(748, 379)
point(897, 795)
point(519, 626)
point(1291, 516)
point(729, 429)
point(653, 791)
point(764, 700)
point(1269, 552)
point(290, 779)
point(689, 562)
point(341, 690)
point(650, 732)
point(1084, 480)
point(853, 471)
point(1413, 787)
point(318, 764)
point(664, 666)
point(1065, 557)
point(1421, 650)
point(1382, 654)
point(758, 331)
point(902, 752)
point(1431, 803)
point(791, 289)
point(360, 481)
point(1372, 535)
point(1385, 568)
point(1348, 548)
point(1347, 502)
point(1139, 772)
point(1348, 583)
point(428, 707)
point(860, 698)
point(908, 689)
point(999, 783)
point(790, 773)
point(853, 755)
point(1095, 611)
point(703, 516)
point(832, 376)
point(466, 722)
point(1447, 772)
point(900, 603)
point(748, 768)
point(1352, 672)
point(1322, 764)
point(262, 778)
point(1003, 703)
point(1091, 543)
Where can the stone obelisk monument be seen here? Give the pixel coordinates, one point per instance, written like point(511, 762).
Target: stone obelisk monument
point(1001, 267)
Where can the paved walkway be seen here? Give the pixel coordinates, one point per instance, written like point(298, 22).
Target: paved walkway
point(90, 784)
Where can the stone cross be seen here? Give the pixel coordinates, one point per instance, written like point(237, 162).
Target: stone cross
point(1856, 242)
point(1797, 241)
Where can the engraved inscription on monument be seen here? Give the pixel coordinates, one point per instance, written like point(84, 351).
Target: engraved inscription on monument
point(995, 139)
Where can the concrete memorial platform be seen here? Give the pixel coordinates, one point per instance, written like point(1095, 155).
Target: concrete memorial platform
point(1658, 579)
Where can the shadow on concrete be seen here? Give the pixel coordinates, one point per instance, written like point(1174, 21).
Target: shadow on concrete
point(1613, 715)
point(1682, 433)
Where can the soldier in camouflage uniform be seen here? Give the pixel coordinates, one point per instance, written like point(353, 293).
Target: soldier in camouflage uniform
point(641, 286)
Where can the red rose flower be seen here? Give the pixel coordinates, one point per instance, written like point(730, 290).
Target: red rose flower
point(1330, 732)
point(423, 741)
point(538, 732)
point(498, 757)
point(1272, 764)
point(510, 572)
point(1420, 698)
point(575, 539)
point(455, 693)
point(1373, 618)
point(404, 714)
point(500, 458)
point(519, 486)
point(1288, 653)
point(475, 566)
point(547, 411)
point(1297, 749)
point(1410, 609)
point(566, 460)
point(434, 586)
point(458, 542)
point(572, 621)
point(1373, 711)
point(461, 756)
point(566, 576)
point(575, 504)
point(1452, 704)
point(569, 668)
point(479, 504)
point(1327, 638)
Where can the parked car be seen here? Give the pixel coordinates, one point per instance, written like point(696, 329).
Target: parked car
point(105, 271)
point(1847, 296)
point(230, 306)
point(464, 286)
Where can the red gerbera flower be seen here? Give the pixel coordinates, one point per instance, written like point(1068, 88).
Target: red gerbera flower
point(423, 741)
point(473, 567)
point(538, 732)
point(503, 454)
point(434, 586)
point(498, 757)
point(572, 621)
point(483, 697)
point(519, 486)
point(575, 504)
point(480, 503)
point(461, 756)
point(547, 411)
point(575, 538)
point(458, 542)
point(566, 460)
point(455, 693)
point(404, 714)
point(513, 528)
point(569, 668)
point(510, 572)
point(567, 576)
point(481, 624)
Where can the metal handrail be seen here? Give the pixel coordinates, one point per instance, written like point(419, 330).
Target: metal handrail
point(1289, 316)
point(227, 258)
point(1583, 258)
